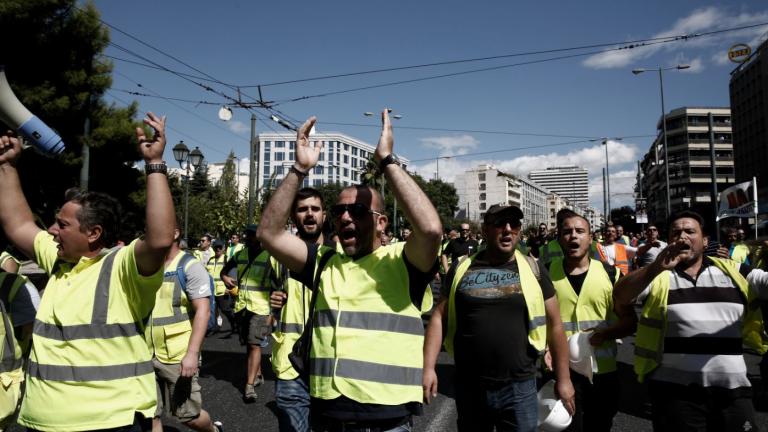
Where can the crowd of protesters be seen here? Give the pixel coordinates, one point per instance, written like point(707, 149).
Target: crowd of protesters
point(115, 341)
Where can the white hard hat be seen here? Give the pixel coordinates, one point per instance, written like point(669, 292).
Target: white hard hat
point(582, 354)
point(553, 417)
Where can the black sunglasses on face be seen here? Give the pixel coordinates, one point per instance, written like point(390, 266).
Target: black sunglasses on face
point(356, 210)
point(502, 222)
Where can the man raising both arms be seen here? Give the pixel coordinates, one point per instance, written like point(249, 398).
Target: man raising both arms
point(365, 359)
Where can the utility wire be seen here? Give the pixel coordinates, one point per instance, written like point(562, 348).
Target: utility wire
point(156, 68)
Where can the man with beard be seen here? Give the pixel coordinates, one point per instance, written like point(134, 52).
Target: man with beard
point(291, 392)
point(497, 314)
point(584, 289)
point(698, 312)
point(366, 353)
point(256, 279)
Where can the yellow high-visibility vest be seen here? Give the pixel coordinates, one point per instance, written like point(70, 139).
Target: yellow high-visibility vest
point(591, 308)
point(255, 281)
point(90, 366)
point(649, 343)
point(214, 266)
point(534, 300)
point(171, 324)
point(293, 316)
point(368, 336)
point(11, 373)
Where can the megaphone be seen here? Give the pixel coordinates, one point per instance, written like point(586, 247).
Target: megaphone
point(16, 116)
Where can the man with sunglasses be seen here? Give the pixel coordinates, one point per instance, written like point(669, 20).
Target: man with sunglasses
point(366, 354)
point(497, 314)
point(648, 251)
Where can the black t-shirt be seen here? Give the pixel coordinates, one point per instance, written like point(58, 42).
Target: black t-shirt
point(344, 408)
point(491, 340)
point(459, 247)
point(534, 243)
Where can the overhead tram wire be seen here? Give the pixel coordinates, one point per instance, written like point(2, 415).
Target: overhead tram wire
point(638, 42)
point(149, 66)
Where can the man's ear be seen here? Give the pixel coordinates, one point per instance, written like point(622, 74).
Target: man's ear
point(94, 234)
point(382, 222)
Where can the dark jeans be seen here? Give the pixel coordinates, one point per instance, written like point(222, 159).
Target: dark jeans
point(678, 408)
point(224, 304)
point(292, 398)
point(140, 424)
point(510, 407)
point(596, 403)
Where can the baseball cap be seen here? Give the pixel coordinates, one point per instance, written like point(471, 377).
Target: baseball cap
point(501, 210)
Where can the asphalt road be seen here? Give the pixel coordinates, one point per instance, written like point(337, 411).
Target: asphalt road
point(223, 375)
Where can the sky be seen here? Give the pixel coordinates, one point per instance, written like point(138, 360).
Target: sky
point(540, 100)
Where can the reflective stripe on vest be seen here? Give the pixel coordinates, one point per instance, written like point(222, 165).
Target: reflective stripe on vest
point(651, 327)
point(621, 261)
point(550, 251)
point(591, 308)
point(214, 266)
point(11, 354)
point(97, 329)
point(368, 339)
point(255, 282)
point(534, 301)
point(171, 327)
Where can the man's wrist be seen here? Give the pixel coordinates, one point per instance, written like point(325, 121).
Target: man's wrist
point(298, 171)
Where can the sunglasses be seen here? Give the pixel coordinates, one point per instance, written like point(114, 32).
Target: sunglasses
point(356, 210)
point(502, 222)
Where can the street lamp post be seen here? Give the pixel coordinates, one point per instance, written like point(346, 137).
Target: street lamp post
point(663, 123)
point(185, 158)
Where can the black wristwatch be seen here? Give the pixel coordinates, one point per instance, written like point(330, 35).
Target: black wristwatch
point(152, 168)
point(388, 160)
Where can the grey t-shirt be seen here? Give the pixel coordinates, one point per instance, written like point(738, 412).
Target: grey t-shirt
point(24, 305)
point(198, 281)
point(648, 257)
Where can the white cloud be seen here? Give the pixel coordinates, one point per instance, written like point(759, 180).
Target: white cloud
point(698, 21)
point(622, 189)
point(451, 145)
point(238, 127)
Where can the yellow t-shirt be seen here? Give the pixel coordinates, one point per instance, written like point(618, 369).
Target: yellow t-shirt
point(51, 404)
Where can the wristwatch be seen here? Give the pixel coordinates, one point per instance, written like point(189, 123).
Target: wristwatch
point(388, 160)
point(152, 168)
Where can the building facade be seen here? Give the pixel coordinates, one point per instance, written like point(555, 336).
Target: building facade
point(690, 168)
point(341, 160)
point(569, 181)
point(749, 109)
point(480, 188)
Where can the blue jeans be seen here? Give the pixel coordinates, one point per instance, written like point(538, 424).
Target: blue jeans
point(510, 407)
point(292, 398)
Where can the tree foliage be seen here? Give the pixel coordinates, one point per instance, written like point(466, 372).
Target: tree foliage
point(52, 56)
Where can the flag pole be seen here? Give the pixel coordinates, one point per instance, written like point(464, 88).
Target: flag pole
point(754, 198)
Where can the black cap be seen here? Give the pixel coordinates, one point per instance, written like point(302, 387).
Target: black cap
point(499, 210)
point(218, 244)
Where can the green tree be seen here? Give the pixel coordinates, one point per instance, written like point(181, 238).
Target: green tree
point(54, 66)
point(228, 211)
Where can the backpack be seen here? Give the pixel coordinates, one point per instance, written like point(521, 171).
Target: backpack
point(181, 275)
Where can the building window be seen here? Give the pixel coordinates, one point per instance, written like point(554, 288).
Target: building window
point(292, 145)
point(482, 196)
point(481, 177)
point(319, 169)
point(291, 155)
point(267, 155)
point(354, 175)
point(317, 182)
point(266, 170)
point(354, 151)
point(346, 171)
point(346, 159)
point(346, 147)
point(279, 170)
point(280, 156)
point(322, 157)
point(482, 186)
point(279, 144)
point(482, 206)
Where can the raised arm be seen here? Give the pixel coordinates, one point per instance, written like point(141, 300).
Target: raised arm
point(153, 247)
point(631, 285)
point(281, 244)
point(15, 216)
point(422, 246)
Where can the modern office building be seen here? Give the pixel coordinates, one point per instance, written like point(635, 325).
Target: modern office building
point(342, 159)
point(569, 181)
point(690, 169)
point(480, 188)
point(749, 110)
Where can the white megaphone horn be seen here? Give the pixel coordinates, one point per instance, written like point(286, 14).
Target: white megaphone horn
point(15, 115)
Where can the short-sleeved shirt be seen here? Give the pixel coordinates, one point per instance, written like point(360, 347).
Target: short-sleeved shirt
point(459, 247)
point(650, 255)
point(24, 305)
point(491, 340)
point(703, 340)
point(131, 299)
point(198, 280)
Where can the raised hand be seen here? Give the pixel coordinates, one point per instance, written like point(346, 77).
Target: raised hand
point(670, 257)
point(306, 155)
point(152, 149)
point(386, 142)
point(10, 148)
